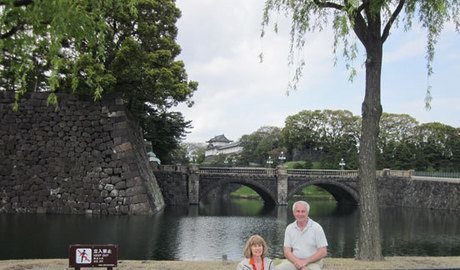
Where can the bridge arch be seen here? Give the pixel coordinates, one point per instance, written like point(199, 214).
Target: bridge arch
point(268, 195)
point(343, 193)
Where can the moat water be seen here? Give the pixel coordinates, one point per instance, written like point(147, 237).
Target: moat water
point(211, 231)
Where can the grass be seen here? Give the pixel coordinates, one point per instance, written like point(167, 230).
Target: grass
point(245, 192)
point(302, 165)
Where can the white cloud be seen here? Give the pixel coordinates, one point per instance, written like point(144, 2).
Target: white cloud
point(414, 47)
point(220, 42)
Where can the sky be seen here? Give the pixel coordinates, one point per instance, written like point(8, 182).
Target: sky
point(237, 94)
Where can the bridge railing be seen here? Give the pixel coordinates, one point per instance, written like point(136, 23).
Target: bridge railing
point(346, 173)
point(437, 174)
point(322, 173)
point(301, 172)
point(168, 168)
point(236, 170)
point(395, 173)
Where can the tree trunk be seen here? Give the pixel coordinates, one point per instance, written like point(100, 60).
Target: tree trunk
point(369, 242)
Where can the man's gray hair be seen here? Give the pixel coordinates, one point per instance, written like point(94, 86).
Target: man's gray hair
point(304, 203)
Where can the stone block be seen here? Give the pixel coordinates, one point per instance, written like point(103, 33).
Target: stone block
point(115, 179)
point(95, 206)
point(123, 147)
point(113, 210)
point(142, 198)
point(121, 125)
point(120, 185)
point(117, 170)
point(140, 209)
point(134, 182)
point(104, 193)
point(114, 193)
point(136, 190)
point(124, 209)
point(109, 187)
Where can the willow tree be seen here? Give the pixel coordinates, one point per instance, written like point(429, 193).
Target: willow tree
point(370, 21)
point(39, 38)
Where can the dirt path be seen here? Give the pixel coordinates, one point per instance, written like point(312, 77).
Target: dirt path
point(330, 263)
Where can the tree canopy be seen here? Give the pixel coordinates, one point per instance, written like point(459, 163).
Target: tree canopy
point(90, 47)
point(438, 146)
point(261, 145)
point(403, 143)
point(328, 134)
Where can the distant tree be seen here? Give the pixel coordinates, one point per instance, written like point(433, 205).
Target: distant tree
point(371, 22)
point(260, 145)
point(327, 135)
point(340, 136)
point(219, 160)
point(178, 156)
point(438, 147)
point(165, 130)
point(91, 47)
point(301, 133)
point(197, 152)
point(200, 156)
point(396, 145)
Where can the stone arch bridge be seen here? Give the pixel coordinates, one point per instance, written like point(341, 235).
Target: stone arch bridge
point(190, 184)
point(274, 186)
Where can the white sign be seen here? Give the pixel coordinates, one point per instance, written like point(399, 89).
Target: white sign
point(83, 256)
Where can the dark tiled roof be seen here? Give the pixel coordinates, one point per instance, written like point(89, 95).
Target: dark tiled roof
point(230, 145)
point(219, 138)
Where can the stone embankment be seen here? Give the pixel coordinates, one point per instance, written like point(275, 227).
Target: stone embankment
point(81, 157)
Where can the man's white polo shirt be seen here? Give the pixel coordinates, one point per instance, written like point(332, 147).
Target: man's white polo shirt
point(304, 243)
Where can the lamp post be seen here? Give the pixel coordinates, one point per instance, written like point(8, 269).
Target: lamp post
point(342, 163)
point(194, 157)
point(282, 157)
point(269, 161)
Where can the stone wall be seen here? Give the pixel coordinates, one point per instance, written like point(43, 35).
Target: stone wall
point(434, 194)
point(173, 182)
point(81, 157)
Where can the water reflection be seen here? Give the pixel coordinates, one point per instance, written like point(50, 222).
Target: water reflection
point(420, 232)
point(227, 227)
point(208, 231)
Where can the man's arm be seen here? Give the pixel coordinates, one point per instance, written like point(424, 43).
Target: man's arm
point(318, 255)
point(293, 259)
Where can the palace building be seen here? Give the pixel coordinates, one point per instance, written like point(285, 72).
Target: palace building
point(221, 145)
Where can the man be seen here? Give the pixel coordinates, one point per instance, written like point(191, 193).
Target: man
point(304, 241)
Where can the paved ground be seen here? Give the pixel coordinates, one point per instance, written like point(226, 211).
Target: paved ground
point(330, 263)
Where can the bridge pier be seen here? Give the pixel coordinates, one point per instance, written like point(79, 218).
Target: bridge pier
point(282, 185)
point(194, 185)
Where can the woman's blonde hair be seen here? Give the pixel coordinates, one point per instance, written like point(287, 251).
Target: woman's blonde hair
point(254, 240)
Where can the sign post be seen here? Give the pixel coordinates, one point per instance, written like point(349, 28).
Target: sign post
point(93, 256)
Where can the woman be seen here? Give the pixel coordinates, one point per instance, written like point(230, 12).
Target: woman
point(255, 252)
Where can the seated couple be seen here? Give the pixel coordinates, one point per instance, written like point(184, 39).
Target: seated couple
point(305, 245)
